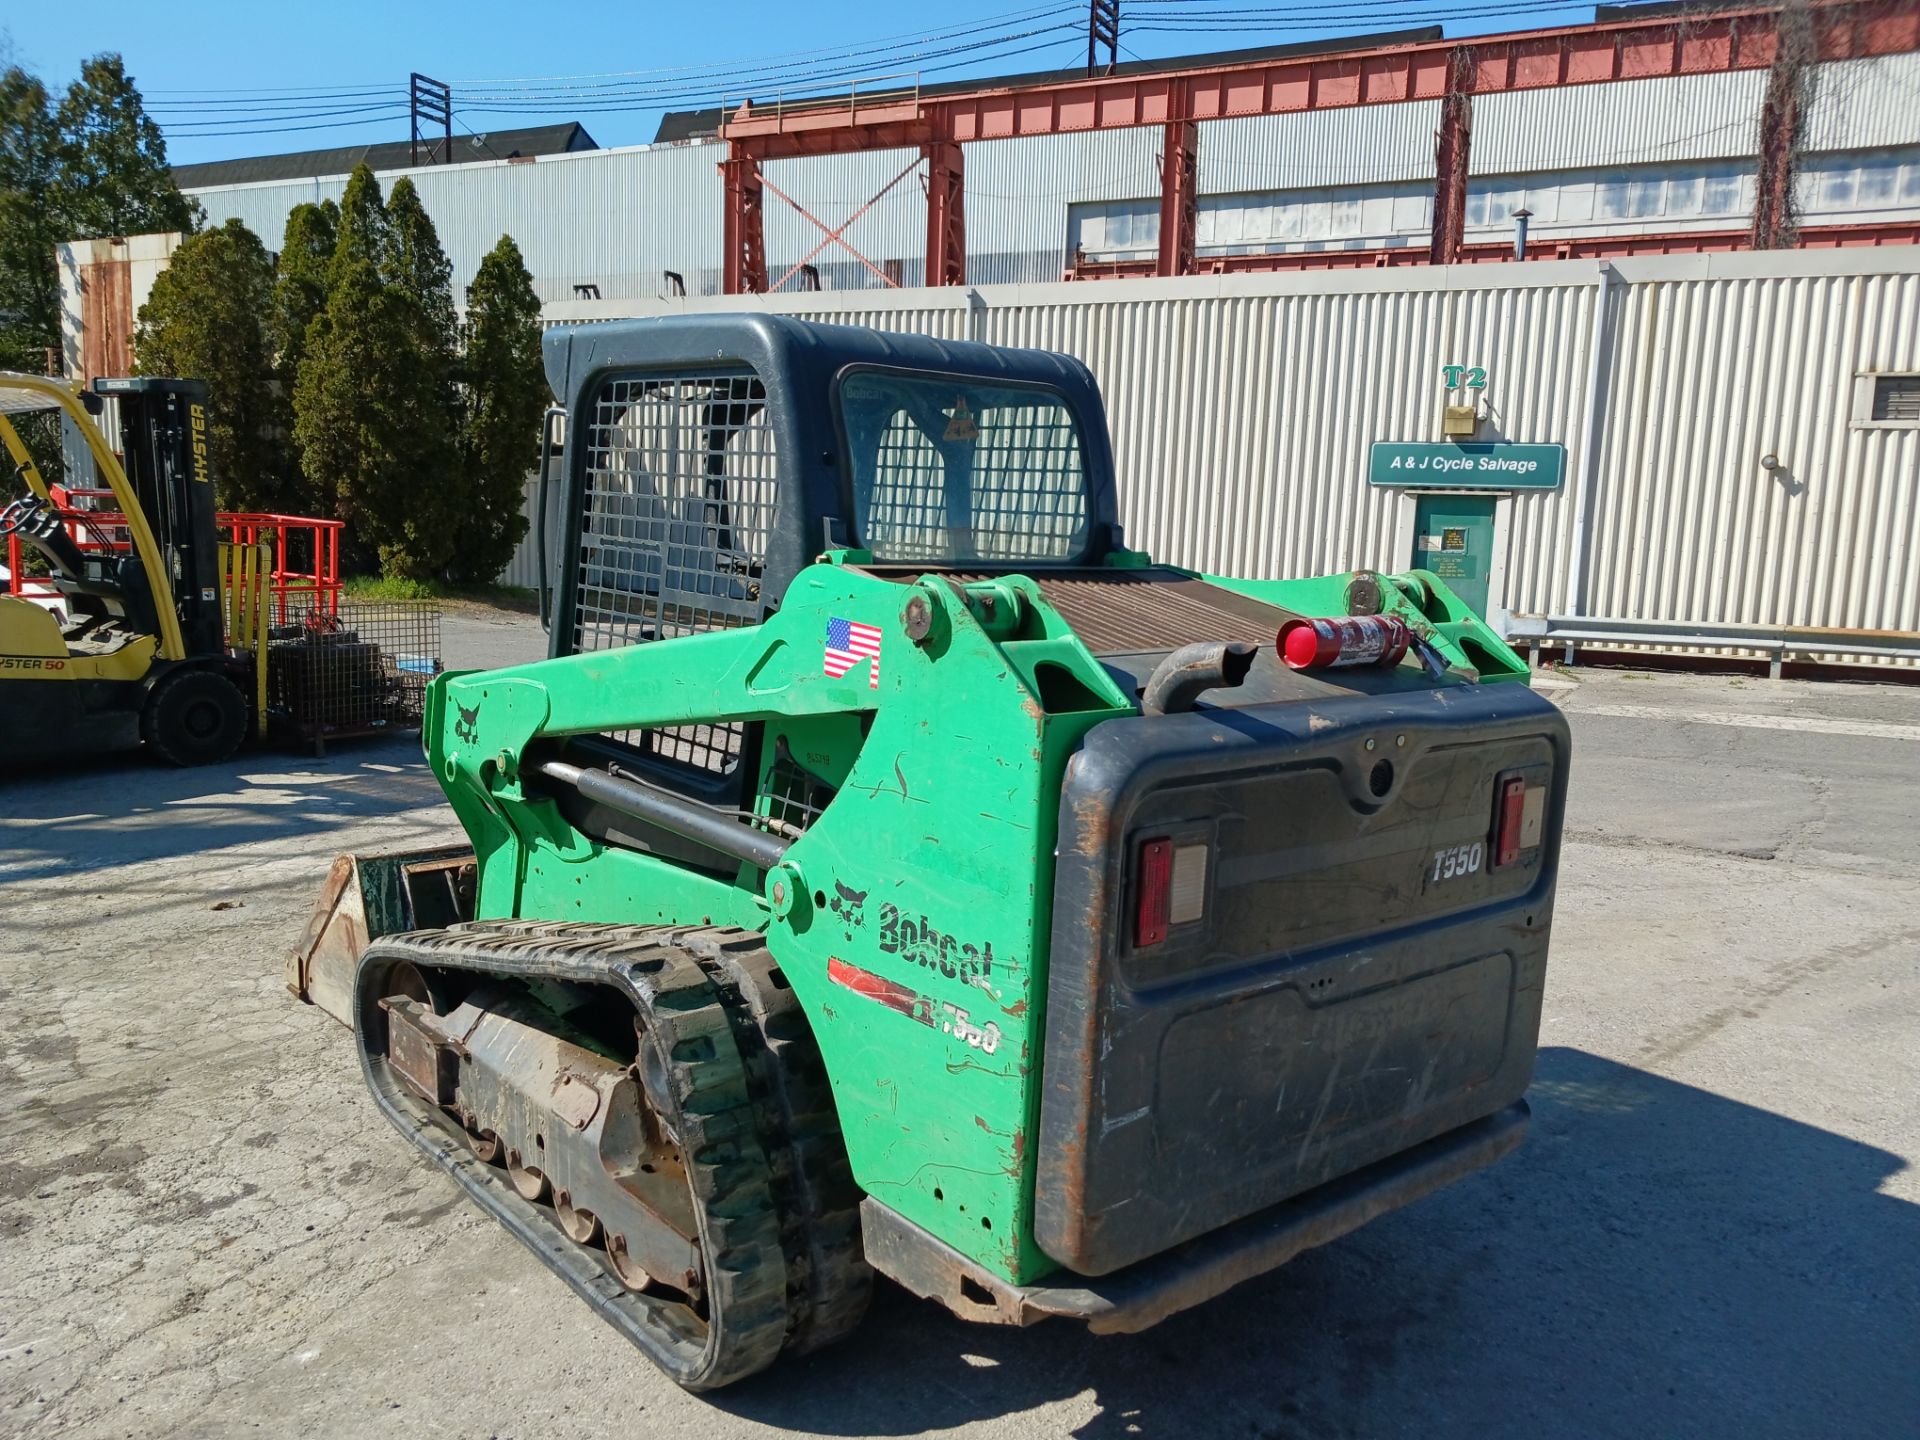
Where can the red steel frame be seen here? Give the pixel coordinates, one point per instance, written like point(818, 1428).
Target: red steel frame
point(1451, 71)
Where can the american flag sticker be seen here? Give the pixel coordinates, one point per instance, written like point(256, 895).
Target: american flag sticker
point(848, 643)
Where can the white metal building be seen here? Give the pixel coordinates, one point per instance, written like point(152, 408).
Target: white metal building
point(1631, 157)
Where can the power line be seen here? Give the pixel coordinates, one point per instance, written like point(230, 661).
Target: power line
point(273, 104)
point(656, 102)
point(881, 43)
point(707, 83)
point(303, 115)
point(268, 98)
point(231, 117)
point(270, 111)
point(397, 114)
point(676, 82)
point(791, 84)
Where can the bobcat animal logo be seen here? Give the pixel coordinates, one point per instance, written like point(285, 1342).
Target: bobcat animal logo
point(467, 727)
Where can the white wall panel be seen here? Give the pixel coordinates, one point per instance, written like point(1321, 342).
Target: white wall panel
point(1714, 374)
point(1626, 122)
point(1018, 192)
point(1360, 145)
point(620, 219)
point(1864, 104)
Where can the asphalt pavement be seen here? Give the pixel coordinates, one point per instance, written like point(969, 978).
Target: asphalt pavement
point(1713, 1228)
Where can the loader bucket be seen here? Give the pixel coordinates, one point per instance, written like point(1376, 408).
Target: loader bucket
point(367, 897)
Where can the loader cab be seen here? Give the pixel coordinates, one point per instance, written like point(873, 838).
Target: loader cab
point(710, 459)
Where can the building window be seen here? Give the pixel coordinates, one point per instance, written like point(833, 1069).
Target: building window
point(1108, 230)
point(1838, 187)
point(1887, 400)
point(1352, 217)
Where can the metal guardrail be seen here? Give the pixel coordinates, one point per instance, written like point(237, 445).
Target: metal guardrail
point(1777, 642)
point(737, 109)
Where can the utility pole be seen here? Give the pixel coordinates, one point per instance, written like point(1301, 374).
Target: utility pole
point(1103, 28)
point(428, 102)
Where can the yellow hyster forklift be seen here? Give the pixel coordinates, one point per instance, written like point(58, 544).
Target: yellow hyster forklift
point(123, 642)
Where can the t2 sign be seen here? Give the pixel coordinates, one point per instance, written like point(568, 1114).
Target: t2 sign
point(1471, 377)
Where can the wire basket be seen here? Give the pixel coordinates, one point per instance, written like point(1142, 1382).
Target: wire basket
point(360, 671)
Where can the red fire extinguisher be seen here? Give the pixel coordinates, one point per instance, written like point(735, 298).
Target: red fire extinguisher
point(1337, 642)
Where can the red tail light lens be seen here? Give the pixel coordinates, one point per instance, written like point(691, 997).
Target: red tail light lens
point(1509, 817)
point(1154, 881)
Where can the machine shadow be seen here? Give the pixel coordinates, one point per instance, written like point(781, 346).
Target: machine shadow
point(1655, 1260)
point(101, 812)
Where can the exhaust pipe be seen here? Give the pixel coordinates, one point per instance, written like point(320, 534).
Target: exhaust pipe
point(1192, 670)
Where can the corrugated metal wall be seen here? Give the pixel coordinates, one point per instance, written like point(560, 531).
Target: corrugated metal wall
point(1628, 122)
point(1241, 420)
point(1712, 374)
point(1364, 145)
point(1861, 104)
point(1241, 409)
point(524, 569)
point(1018, 192)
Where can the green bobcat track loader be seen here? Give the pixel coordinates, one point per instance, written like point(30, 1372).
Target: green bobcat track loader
point(891, 871)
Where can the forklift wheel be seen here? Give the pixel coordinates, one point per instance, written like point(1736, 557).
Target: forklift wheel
point(194, 717)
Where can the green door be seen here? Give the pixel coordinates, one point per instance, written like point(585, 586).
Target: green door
point(1453, 537)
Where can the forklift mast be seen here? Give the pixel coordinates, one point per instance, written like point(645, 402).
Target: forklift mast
point(163, 439)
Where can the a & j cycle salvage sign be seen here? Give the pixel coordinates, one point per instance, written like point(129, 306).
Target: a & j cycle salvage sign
point(1497, 465)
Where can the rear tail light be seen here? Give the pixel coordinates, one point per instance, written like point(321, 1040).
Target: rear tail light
point(1171, 888)
point(1509, 820)
point(1155, 901)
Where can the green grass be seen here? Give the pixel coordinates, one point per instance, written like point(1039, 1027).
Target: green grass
point(388, 587)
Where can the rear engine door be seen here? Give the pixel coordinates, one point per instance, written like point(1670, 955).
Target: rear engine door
point(1289, 940)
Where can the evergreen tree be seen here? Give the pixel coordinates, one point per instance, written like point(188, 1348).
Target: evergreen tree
point(506, 396)
point(209, 317)
point(344, 425)
point(420, 267)
point(418, 270)
point(29, 224)
point(362, 229)
point(370, 405)
point(114, 174)
point(306, 260)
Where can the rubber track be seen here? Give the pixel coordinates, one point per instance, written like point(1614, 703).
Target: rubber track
point(714, 1117)
point(829, 1283)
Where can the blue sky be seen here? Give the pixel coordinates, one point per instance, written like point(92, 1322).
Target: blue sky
point(205, 68)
